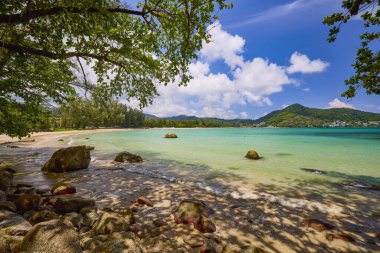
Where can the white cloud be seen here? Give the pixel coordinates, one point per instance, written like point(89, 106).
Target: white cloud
point(301, 63)
point(244, 115)
point(336, 103)
point(306, 89)
point(210, 94)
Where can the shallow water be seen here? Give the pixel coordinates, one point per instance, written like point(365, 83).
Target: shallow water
point(214, 159)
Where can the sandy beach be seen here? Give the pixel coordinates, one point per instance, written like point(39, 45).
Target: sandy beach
point(241, 225)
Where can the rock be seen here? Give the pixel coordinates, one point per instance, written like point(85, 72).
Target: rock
point(25, 202)
point(51, 237)
point(318, 225)
point(146, 231)
point(144, 201)
point(25, 190)
point(3, 195)
point(113, 243)
point(194, 212)
point(12, 146)
point(194, 241)
point(68, 159)
point(171, 135)
point(13, 224)
point(252, 154)
point(43, 192)
point(128, 157)
point(370, 241)
point(9, 243)
point(363, 186)
point(212, 245)
point(109, 223)
point(63, 189)
point(159, 223)
point(378, 236)
point(128, 215)
point(90, 148)
point(60, 140)
point(8, 206)
point(89, 218)
point(5, 183)
point(314, 171)
point(70, 204)
point(340, 235)
point(74, 218)
point(42, 216)
point(230, 248)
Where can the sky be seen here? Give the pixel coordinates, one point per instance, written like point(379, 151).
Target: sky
point(264, 56)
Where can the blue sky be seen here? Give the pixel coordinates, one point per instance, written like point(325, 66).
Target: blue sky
point(246, 71)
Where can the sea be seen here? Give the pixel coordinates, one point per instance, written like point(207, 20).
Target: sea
point(316, 168)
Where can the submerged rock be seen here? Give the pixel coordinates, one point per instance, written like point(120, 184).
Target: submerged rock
point(13, 224)
point(51, 237)
point(109, 223)
point(318, 225)
point(128, 157)
point(25, 202)
point(70, 204)
point(63, 189)
point(195, 212)
point(363, 186)
point(68, 159)
point(314, 171)
point(171, 135)
point(252, 154)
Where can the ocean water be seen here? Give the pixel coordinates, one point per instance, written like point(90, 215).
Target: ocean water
point(215, 159)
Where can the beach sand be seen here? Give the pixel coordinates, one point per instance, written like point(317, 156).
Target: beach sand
point(239, 223)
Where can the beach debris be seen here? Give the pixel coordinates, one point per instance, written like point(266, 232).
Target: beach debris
point(42, 216)
point(13, 224)
point(314, 171)
point(68, 204)
point(68, 159)
point(8, 206)
point(196, 212)
point(340, 235)
point(318, 225)
point(171, 135)
point(63, 189)
point(109, 223)
point(194, 241)
point(363, 186)
point(252, 154)
point(24, 202)
point(51, 236)
point(128, 157)
point(144, 201)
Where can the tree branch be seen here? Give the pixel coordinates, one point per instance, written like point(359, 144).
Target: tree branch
point(29, 50)
point(355, 7)
point(29, 15)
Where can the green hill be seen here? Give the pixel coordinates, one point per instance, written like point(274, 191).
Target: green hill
point(297, 115)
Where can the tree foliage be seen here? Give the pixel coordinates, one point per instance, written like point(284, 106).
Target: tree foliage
point(46, 45)
point(367, 65)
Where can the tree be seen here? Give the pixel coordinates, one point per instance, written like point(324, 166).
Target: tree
point(44, 45)
point(367, 65)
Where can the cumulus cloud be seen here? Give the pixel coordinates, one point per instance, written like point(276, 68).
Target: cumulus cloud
point(244, 115)
point(301, 63)
point(214, 94)
point(336, 103)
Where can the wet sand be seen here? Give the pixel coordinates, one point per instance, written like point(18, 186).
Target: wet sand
point(240, 222)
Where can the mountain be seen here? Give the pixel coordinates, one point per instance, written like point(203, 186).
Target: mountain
point(150, 116)
point(299, 115)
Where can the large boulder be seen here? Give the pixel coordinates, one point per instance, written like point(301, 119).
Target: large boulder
point(13, 224)
point(128, 157)
point(25, 202)
point(51, 237)
point(115, 242)
point(63, 189)
point(171, 135)
point(191, 211)
point(110, 223)
point(68, 159)
point(72, 204)
point(252, 154)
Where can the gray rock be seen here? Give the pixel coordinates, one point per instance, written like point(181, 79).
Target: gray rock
point(9, 243)
point(51, 237)
point(68, 159)
point(73, 218)
point(13, 224)
point(128, 157)
point(7, 205)
point(70, 204)
point(3, 195)
point(89, 219)
point(109, 223)
point(25, 202)
point(42, 216)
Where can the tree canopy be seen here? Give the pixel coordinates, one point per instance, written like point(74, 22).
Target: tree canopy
point(367, 64)
point(46, 45)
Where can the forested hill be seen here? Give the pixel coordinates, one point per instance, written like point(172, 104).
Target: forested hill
point(299, 115)
point(295, 115)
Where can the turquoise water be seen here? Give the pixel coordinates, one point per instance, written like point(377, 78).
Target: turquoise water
point(217, 155)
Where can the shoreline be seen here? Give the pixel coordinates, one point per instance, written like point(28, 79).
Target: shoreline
point(239, 222)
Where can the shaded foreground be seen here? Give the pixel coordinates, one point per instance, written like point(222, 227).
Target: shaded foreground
point(240, 225)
